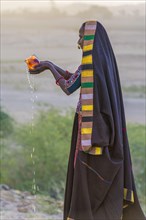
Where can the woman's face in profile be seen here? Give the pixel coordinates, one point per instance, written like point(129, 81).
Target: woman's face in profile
point(81, 37)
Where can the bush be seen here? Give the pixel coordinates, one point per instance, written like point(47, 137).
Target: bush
point(6, 131)
point(136, 134)
point(6, 124)
point(47, 145)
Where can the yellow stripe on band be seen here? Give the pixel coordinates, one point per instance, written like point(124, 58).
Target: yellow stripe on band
point(132, 196)
point(98, 150)
point(87, 59)
point(95, 150)
point(125, 195)
point(87, 107)
point(86, 130)
point(87, 47)
point(68, 218)
point(87, 73)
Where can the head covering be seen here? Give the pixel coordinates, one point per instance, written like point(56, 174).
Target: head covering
point(101, 98)
point(103, 124)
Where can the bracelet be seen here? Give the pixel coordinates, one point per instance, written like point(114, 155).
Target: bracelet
point(57, 81)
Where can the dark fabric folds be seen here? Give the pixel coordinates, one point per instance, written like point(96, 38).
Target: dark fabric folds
point(102, 187)
point(107, 127)
point(109, 124)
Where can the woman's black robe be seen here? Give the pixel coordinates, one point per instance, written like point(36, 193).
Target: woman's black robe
point(102, 187)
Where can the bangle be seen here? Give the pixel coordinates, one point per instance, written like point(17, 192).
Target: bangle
point(57, 81)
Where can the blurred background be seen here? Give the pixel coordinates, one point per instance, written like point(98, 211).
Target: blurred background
point(36, 123)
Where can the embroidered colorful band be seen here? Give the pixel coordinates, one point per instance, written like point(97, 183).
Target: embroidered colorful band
point(87, 83)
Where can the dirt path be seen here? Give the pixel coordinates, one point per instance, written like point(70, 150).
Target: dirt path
point(18, 205)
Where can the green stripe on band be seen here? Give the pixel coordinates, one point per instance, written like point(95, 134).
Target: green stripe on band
point(87, 85)
point(89, 37)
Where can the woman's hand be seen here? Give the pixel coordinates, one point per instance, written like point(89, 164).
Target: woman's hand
point(42, 66)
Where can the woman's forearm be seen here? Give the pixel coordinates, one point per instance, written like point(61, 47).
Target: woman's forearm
point(57, 75)
point(62, 72)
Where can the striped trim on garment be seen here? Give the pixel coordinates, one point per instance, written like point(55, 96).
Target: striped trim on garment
point(87, 84)
point(128, 195)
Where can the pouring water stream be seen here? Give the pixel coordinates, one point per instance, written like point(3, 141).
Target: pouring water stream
point(33, 98)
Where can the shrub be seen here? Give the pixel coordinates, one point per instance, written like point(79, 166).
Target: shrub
point(6, 124)
point(47, 144)
point(136, 134)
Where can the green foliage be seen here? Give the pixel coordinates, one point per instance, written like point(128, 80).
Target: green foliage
point(6, 124)
point(6, 131)
point(137, 142)
point(48, 144)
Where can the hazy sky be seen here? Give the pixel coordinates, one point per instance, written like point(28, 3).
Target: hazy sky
point(36, 4)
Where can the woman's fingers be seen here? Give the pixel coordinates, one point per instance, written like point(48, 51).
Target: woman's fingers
point(38, 69)
point(33, 71)
point(43, 65)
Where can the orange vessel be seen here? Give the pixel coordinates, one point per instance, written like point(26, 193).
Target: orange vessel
point(32, 62)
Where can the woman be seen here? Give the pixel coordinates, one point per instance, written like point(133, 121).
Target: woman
point(100, 183)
